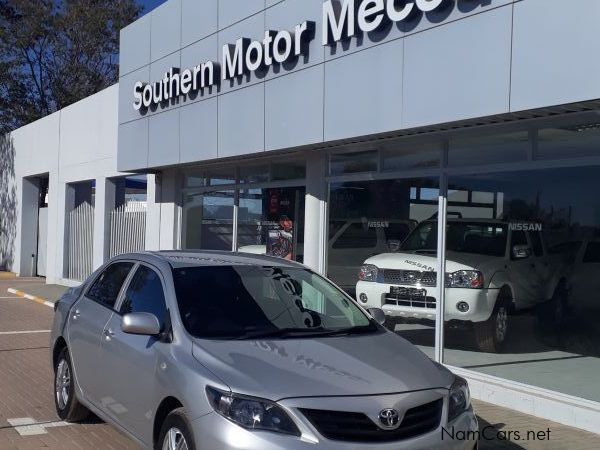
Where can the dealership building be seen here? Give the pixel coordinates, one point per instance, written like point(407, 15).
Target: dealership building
point(327, 132)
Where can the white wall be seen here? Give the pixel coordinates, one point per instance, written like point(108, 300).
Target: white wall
point(75, 144)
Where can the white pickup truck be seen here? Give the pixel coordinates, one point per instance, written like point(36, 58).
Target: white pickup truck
point(492, 268)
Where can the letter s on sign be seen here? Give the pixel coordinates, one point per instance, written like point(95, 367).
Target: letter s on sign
point(137, 94)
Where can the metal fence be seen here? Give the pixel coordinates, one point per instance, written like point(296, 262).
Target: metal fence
point(81, 242)
point(128, 228)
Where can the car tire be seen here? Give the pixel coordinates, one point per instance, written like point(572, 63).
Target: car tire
point(66, 402)
point(175, 428)
point(490, 335)
point(551, 315)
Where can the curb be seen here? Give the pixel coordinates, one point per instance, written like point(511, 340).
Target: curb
point(7, 276)
point(40, 300)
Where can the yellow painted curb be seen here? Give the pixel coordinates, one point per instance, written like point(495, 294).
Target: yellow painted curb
point(7, 276)
point(40, 300)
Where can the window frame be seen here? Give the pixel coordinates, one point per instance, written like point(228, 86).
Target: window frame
point(126, 284)
point(120, 293)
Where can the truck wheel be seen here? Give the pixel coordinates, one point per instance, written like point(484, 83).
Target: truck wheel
point(551, 315)
point(491, 334)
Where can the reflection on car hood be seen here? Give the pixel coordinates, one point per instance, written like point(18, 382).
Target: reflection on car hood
point(417, 261)
point(350, 365)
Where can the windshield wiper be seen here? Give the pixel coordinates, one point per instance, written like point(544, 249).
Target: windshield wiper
point(281, 332)
point(348, 331)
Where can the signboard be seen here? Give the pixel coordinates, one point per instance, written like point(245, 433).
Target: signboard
point(342, 19)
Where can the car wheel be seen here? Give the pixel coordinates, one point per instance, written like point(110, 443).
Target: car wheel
point(67, 405)
point(491, 334)
point(552, 314)
point(176, 433)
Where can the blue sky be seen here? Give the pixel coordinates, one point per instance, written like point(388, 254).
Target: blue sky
point(149, 5)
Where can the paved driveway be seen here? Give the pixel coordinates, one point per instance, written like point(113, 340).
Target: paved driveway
point(28, 420)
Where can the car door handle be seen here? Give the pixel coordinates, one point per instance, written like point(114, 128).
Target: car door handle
point(76, 314)
point(108, 334)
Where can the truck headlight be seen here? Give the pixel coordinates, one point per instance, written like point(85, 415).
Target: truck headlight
point(460, 398)
point(368, 272)
point(251, 413)
point(468, 279)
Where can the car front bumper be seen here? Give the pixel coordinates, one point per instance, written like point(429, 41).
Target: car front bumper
point(214, 432)
point(481, 302)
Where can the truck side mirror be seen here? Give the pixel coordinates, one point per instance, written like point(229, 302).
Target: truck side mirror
point(521, 252)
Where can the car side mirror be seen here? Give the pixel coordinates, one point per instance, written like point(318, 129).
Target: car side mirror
point(521, 252)
point(377, 314)
point(141, 323)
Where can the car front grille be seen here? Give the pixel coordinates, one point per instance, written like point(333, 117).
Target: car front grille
point(357, 427)
point(409, 277)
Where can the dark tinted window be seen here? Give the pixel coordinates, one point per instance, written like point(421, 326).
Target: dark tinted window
point(357, 235)
point(536, 242)
point(105, 289)
point(592, 253)
point(519, 238)
point(240, 301)
point(145, 294)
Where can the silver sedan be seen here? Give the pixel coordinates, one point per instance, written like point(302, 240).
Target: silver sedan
point(218, 351)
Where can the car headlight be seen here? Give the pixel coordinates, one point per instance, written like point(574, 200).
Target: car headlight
point(368, 272)
point(460, 398)
point(469, 279)
point(251, 413)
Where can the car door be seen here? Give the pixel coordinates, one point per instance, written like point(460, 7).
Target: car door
point(86, 322)
point(523, 278)
point(540, 267)
point(585, 279)
point(129, 390)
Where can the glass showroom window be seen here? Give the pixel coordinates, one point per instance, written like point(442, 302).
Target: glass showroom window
point(523, 277)
point(208, 220)
point(369, 222)
point(271, 222)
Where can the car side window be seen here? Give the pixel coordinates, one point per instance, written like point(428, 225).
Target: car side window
point(107, 286)
point(536, 242)
point(145, 294)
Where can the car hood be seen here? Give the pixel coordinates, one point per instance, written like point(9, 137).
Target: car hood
point(380, 363)
point(417, 261)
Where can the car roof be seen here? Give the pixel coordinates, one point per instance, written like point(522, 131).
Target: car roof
point(208, 258)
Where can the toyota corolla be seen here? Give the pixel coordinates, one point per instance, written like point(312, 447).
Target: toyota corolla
point(218, 351)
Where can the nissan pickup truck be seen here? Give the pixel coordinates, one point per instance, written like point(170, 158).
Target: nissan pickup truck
point(492, 268)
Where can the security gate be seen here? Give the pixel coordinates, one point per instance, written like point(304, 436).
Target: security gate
point(81, 242)
point(128, 228)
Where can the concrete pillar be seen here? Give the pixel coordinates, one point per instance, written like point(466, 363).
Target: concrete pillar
point(55, 236)
point(170, 210)
point(105, 203)
point(315, 218)
point(153, 213)
point(29, 224)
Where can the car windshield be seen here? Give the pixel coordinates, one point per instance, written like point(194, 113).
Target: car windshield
point(246, 302)
point(483, 238)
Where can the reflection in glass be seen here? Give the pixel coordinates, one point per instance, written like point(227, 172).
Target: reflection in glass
point(365, 161)
point(271, 222)
point(404, 155)
point(368, 221)
point(208, 221)
point(569, 141)
point(493, 149)
point(533, 254)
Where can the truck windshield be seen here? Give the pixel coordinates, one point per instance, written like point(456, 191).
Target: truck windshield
point(463, 237)
point(252, 302)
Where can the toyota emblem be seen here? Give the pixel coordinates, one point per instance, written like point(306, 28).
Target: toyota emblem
point(389, 418)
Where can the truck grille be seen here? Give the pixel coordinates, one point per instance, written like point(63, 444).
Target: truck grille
point(424, 302)
point(409, 277)
point(357, 427)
